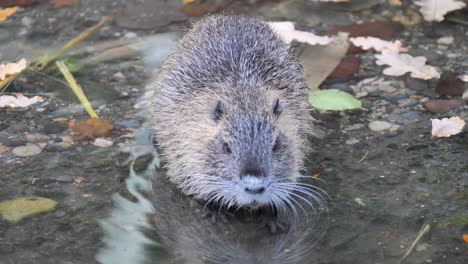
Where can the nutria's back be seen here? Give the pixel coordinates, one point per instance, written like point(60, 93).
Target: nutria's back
point(231, 114)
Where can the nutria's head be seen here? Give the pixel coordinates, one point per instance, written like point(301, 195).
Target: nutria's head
point(250, 152)
point(231, 115)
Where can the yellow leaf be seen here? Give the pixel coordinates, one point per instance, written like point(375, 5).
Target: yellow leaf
point(12, 68)
point(5, 13)
point(186, 2)
point(19, 208)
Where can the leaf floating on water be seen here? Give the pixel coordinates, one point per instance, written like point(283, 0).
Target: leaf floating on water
point(19, 100)
point(403, 63)
point(288, 33)
point(447, 127)
point(91, 128)
point(333, 99)
point(12, 68)
point(17, 209)
point(5, 13)
point(367, 43)
point(435, 10)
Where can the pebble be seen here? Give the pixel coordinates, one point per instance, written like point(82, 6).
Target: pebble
point(354, 127)
point(54, 128)
point(119, 75)
point(28, 150)
point(36, 138)
point(27, 21)
point(445, 40)
point(64, 179)
point(379, 126)
point(61, 146)
point(102, 142)
point(352, 141)
point(407, 102)
point(3, 149)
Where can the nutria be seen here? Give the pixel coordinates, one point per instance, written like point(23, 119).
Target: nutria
point(231, 116)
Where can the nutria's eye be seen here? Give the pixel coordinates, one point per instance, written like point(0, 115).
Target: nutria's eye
point(276, 107)
point(218, 111)
point(226, 148)
point(276, 146)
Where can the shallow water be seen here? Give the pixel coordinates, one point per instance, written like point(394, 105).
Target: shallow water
point(385, 187)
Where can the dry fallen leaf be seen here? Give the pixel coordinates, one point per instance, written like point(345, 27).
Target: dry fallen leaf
point(465, 238)
point(12, 3)
point(377, 44)
point(403, 63)
point(288, 33)
point(5, 13)
point(91, 128)
point(447, 126)
point(19, 100)
point(435, 10)
point(463, 77)
point(12, 68)
point(63, 3)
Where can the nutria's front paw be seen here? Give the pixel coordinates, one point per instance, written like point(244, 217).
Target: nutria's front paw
point(276, 226)
point(215, 215)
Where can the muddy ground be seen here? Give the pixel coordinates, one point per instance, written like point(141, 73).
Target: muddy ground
point(385, 185)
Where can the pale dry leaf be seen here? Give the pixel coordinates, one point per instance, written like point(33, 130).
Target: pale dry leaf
point(288, 33)
point(447, 127)
point(335, 1)
point(435, 10)
point(377, 44)
point(395, 2)
point(403, 63)
point(463, 77)
point(18, 101)
point(12, 68)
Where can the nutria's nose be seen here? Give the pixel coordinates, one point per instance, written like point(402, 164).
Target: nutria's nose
point(255, 190)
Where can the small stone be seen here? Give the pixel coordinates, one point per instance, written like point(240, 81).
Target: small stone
point(3, 149)
point(352, 141)
point(27, 21)
point(380, 126)
point(119, 75)
point(422, 247)
point(445, 40)
point(130, 35)
point(64, 179)
point(54, 128)
point(79, 179)
point(28, 150)
point(61, 146)
point(354, 127)
point(36, 138)
point(407, 102)
point(102, 142)
point(441, 106)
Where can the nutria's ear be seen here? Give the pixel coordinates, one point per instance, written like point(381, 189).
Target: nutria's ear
point(276, 107)
point(218, 111)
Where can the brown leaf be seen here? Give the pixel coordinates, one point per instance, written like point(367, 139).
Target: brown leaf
point(63, 3)
point(348, 66)
point(11, 3)
point(441, 106)
point(450, 85)
point(377, 29)
point(91, 128)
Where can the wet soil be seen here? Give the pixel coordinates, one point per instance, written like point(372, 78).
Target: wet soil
point(385, 185)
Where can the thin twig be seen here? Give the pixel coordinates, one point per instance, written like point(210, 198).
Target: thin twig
point(365, 155)
point(424, 229)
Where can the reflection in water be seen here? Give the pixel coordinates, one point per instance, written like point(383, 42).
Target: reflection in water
point(164, 226)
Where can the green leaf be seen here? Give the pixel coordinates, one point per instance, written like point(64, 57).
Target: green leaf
point(19, 208)
point(333, 99)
